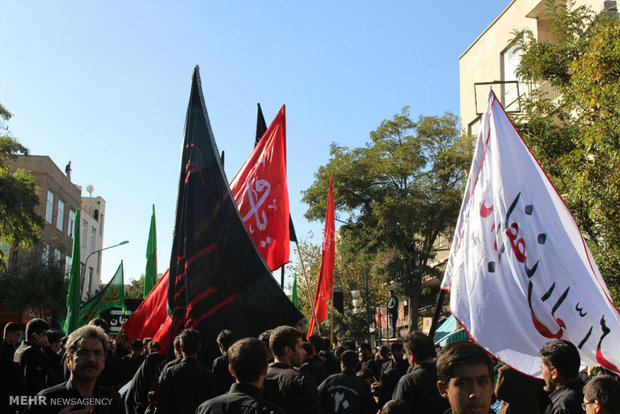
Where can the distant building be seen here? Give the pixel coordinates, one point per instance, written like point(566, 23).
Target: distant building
point(490, 62)
point(59, 199)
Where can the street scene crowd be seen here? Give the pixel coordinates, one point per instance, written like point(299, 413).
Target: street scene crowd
point(279, 372)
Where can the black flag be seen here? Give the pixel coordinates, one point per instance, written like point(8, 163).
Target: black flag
point(261, 127)
point(217, 278)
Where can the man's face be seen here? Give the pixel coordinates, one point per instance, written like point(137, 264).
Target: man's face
point(469, 390)
point(297, 354)
point(549, 375)
point(88, 360)
point(40, 339)
point(591, 406)
point(12, 337)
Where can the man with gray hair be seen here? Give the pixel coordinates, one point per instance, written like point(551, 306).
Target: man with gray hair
point(86, 349)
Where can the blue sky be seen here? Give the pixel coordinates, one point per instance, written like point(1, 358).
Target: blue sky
point(105, 84)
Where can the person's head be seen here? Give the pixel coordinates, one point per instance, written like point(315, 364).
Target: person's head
point(391, 293)
point(602, 395)
point(12, 331)
point(397, 350)
point(396, 407)
point(316, 342)
point(177, 346)
point(247, 361)
point(339, 351)
point(365, 351)
point(100, 322)
point(367, 375)
point(137, 347)
point(146, 342)
point(349, 361)
point(55, 340)
point(465, 377)
point(308, 349)
point(152, 347)
point(560, 362)
point(349, 344)
point(224, 340)
point(419, 348)
point(327, 344)
point(384, 351)
point(190, 343)
point(286, 344)
point(86, 348)
point(264, 337)
point(36, 332)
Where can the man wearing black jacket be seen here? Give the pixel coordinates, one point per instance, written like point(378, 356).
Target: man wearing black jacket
point(560, 369)
point(392, 372)
point(248, 364)
point(223, 379)
point(35, 364)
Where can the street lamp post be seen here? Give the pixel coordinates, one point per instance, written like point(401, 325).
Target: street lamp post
point(88, 257)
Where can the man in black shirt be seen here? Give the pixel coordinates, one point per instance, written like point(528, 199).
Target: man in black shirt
point(30, 356)
point(311, 366)
point(86, 348)
point(248, 364)
point(419, 387)
point(560, 362)
point(392, 372)
point(188, 384)
point(132, 362)
point(12, 331)
point(284, 386)
point(367, 358)
point(223, 379)
point(392, 309)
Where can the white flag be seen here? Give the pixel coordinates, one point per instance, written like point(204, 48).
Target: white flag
point(520, 273)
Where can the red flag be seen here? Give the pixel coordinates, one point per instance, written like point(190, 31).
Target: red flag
point(261, 194)
point(328, 260)
point(151, 319)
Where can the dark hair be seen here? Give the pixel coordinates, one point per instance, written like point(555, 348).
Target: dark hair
point(12, 327)
point(100, 322)
point(225, 338)
point(190, 341)
point(394, 347)
point(396, 407)
point(366, 374)
point(152, 346)
point(177, 344)
point(606, 390)
point(86, 331)
point(264, 337)
point(247, 358)
point(349, 344)
point(317, 342)
point(349, 360)
point(308, 348)
point(562, 355)
point(137, 344)
point(461, 353)
point(54, 336)
point(281, 337)
point(384, 351)
point(420, 344)
point(327, 344)
point(35, 326)
point(365, 346)
point(340, 349)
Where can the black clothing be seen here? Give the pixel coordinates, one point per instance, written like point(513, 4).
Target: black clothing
point(290, 389)
point(346, 393)
point(109, 402)
point(113, 375)
point(11, 384)
point(130, 365)
point(241, 399)
point(35, 365)
point(520, 393)
point(332, 364)
point(145, 380)
point(566, 400)
point(7, 350)
point(223, 379)
point(393, 372)
point(373, 366)
point(56, 375)
point(392, 309)
point(419, 390)
point(449, 411)
point(184, 387)
point(315, 368)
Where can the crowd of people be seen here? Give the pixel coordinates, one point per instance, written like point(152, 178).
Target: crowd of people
point(278, 372)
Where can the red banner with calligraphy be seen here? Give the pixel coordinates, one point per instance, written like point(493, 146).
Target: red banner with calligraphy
point(328, 261)
point(261, 194)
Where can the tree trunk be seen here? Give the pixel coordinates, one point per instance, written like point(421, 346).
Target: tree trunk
point(414, 304)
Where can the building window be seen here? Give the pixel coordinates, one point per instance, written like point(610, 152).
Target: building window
point(473, 129)
point(71, 223)
point(83, 234)
point(57, 257)
point(93, 235)
point(49, 208)
point(511, 57)
point(68, 266)
point(45, 253)
point(60, 220)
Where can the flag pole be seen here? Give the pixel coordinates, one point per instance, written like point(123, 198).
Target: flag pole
point(303, 268)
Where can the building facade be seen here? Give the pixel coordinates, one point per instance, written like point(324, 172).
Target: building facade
point(490, 61)
point(59, 200)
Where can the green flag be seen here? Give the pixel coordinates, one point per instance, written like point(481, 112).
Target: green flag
point(150, 275)
point(111, 296)
point(294, 294)
point(75, 286)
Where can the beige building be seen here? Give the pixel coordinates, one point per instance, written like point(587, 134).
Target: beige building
point(490, 62)
point(59, 199)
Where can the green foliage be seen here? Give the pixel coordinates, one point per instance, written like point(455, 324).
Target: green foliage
point(40, 286)
point(576, 137)
point(135, 290)
point(397, 194)
point(19, 223)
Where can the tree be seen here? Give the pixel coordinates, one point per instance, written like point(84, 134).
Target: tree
point(397, 195)
point(19, 223)
point(135, 289)
point(576, 137)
